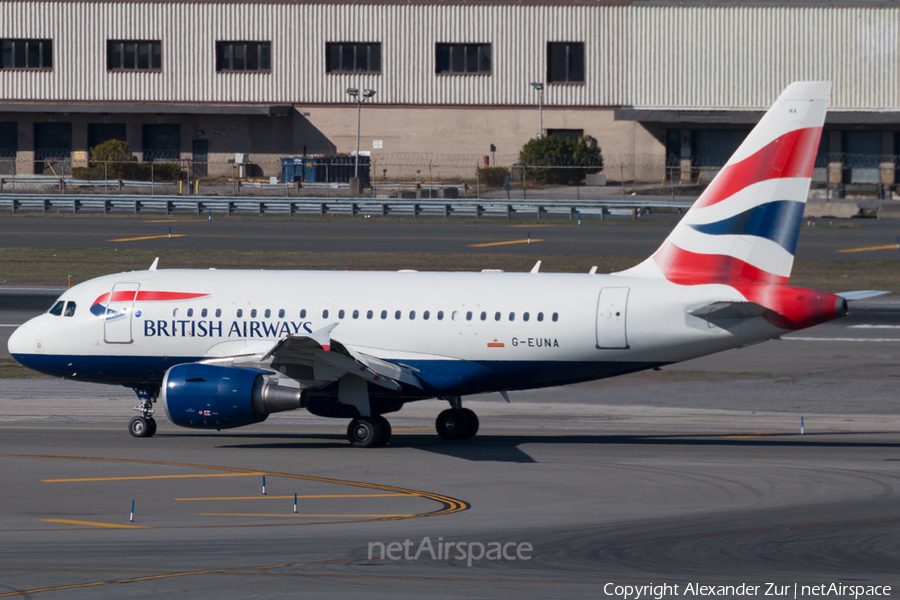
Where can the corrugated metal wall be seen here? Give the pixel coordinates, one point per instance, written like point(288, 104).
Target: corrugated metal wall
point(647, 57)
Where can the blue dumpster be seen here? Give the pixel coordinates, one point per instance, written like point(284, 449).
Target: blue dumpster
point(320, 169)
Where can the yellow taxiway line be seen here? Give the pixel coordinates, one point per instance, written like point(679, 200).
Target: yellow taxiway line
point(504, 243)
point(296, 515)
point(148, 237)
point(91, 524)
point(870, 248)
point(300, 497)
point(152, 477)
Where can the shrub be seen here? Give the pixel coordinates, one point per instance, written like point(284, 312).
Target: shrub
point(122, 164)
point(561, 151)
point(493, 176)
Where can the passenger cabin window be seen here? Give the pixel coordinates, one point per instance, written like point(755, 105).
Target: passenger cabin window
point(240, 313)
point(425, 315)
point(70, 309)
point(268, 312)
point(355, 314)
point(190, 312)
point(134, 55)
point(525, 317)
point(218, 312)
point(483, 316)
point(469, 315)
point(512, 316)
point(397, 315)
point(412, 315)
point(203, 313)
point(440, 315)
point(384, 314)
point(555, 317)
point(325, 314)
point(281, 313)
point(497, 316)
point(57, 308)
point(303, 313)
point(341, 314)
point(369, 314)
point(175, 312)
point(540, 316)
point(253, 313)
point(455, 315)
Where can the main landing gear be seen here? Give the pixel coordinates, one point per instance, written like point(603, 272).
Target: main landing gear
point(144, 425)
point(369, 432)
point(456, 423)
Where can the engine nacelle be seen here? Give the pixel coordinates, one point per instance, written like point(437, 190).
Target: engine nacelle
point(212, 397)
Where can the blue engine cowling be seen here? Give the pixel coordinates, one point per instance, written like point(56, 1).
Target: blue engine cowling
point(212, 397)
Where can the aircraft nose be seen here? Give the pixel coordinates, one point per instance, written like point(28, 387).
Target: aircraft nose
point(22, 340)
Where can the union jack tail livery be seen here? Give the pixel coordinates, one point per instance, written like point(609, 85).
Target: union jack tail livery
point(744, 227)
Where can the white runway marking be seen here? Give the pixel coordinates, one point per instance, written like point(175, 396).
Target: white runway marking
point(875, 327)
point(823, 339)
point(10, 325)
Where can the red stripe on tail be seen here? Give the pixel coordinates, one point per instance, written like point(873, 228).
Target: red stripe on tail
point(790, 155)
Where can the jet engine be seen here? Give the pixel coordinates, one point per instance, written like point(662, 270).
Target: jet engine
point(202, 396)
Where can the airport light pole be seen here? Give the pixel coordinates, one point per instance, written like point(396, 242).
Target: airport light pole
point(539, 87)
point(354, 92)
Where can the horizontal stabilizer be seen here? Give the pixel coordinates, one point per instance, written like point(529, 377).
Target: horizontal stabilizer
point(729, 310)
point(860, 295)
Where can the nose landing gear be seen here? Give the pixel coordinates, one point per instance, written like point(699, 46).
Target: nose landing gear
point(144, 425)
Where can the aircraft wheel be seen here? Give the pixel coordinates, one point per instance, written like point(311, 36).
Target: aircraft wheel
point(151, 422)
point(385, 426)
point(140, 427)
point(364, 432)
point(472, 429)
point(452, 424)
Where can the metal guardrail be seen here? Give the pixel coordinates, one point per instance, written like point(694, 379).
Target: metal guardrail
point(373, 207)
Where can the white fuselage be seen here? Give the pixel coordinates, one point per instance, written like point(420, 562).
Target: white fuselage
point(422, 320)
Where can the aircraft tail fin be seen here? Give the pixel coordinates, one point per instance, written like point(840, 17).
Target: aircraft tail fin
point(744, 227)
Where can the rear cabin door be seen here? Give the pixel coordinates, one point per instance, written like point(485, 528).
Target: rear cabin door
point(119, 310)
point(611, 311)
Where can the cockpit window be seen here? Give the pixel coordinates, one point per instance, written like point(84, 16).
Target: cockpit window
point(70, 309)
point(57, 308)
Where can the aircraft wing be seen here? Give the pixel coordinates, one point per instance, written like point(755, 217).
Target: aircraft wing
point(316, 357)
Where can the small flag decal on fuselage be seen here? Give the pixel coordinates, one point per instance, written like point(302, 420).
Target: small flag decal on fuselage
point(495, 344)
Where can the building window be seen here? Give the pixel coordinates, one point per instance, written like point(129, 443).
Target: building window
point(565, 62)
point(243, 56)
point(26, 54)
point(463, 58)
point(132, 55)
point(343, 57)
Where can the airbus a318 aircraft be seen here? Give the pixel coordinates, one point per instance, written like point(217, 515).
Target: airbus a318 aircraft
point(221, 349)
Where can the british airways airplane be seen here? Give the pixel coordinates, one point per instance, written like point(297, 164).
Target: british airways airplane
point(222, 349)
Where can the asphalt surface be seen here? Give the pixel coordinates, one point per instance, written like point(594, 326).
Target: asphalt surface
point(695, 474)
point(846, 240)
